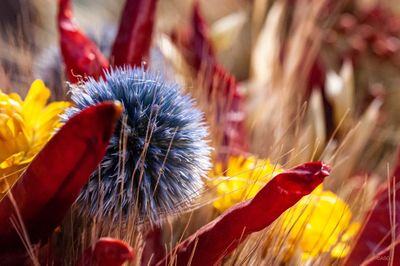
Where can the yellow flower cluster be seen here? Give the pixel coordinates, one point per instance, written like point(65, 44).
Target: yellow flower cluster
point(25, 127)
point(318, 223)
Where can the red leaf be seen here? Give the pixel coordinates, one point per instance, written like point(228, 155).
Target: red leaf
point(106, 252)
point(376, 239)
point(81, 55)
point(133, 41)
point(55, 177)
point(220, 237)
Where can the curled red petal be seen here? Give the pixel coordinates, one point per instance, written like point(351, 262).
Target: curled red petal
point(107, 252)
point(381, 229)
point(133, 41)
point(81, 55)
point(220, 237)
point(53, 180)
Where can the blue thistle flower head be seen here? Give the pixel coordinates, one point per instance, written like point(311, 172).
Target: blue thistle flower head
point(158, 154)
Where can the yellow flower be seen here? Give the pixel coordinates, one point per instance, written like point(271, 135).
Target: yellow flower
point(244, 177)
point(25, 127)
point(318, 223)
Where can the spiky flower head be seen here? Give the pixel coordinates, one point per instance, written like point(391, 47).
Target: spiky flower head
point(158, 154)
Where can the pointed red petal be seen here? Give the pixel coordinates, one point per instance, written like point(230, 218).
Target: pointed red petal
point(107, 252)
point(55, 177)
point(133, 41)
point(220, 237)
point(81, 55)
point(376, 239)
point(216, 82)
point(194, 42)
point(228, 102)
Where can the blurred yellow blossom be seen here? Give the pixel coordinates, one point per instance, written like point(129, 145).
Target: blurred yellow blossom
point(25, 127)
point(318, 223)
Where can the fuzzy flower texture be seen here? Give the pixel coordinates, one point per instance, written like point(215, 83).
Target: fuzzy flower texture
point(158, 154)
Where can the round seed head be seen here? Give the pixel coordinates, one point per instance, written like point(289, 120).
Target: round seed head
point(158, 154)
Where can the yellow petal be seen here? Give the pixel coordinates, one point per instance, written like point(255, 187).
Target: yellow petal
point(8, 105)
point(35, 101)
point(12, 160)
point(15, 97)
point(5, 131)
point(51, 113)
point(6, 149)
point(18, 123)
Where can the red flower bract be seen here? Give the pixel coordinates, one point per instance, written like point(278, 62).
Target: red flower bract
point(81, 56)
point(194, 41)
point(217, 83)
point(220, 237)
point(133, 40)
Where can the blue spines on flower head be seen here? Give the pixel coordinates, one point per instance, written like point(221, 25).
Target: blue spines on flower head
point(158, 154)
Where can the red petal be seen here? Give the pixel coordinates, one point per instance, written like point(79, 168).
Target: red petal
point(55, 177)
point(107, 252)
point(153, 249)
point(133, 41)
point(217, 83)
point(195, 43)
point(81, 55)
point(376, 234)
point(220, 237)
point(385, 257)
point(228, 103)
point(14, 258)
